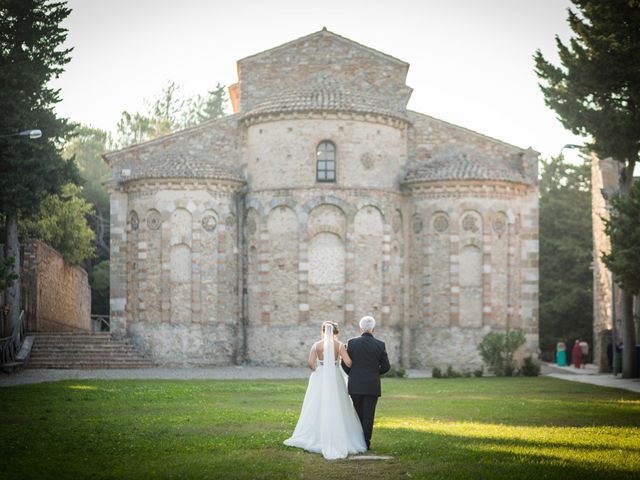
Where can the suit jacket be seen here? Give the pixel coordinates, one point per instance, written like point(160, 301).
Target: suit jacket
point(370, 360)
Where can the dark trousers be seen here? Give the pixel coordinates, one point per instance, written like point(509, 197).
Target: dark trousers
point(365, 406)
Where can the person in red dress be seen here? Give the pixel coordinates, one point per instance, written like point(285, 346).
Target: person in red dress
point(576, 353)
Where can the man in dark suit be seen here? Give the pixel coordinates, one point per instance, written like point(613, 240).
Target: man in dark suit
point(369, 361)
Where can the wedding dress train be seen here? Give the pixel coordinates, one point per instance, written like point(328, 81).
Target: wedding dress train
point(328, 423)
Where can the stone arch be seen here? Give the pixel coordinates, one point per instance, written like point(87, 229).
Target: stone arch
point(327, 256)
point(315, 202)
point(181, 228)
point(370, 202)
point(180, 260)
point(368, 233)
point(282, 225)
point(208, 272)
point(470, 286)
point(437, 288)
point(327, 218)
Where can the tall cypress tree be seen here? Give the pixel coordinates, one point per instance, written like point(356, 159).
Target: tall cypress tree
point(596, 93)
point(30, 56)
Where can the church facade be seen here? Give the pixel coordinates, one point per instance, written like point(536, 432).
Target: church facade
point(322, 198)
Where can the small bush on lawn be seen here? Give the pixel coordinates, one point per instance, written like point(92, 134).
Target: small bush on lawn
point(497, 348)
point(530, 367)
point(396, 372)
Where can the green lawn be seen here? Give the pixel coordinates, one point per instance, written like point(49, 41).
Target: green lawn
point(485, 428)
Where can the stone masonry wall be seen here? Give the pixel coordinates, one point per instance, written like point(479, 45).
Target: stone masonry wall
point(357, 69)
point(604, 175)
point(341, 270)
point(56, 295)
point(473, 258)
point(181, 274)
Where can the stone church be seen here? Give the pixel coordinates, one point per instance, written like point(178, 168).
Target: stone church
point(322, 198)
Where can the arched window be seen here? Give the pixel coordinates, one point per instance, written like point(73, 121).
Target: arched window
point(326, 162)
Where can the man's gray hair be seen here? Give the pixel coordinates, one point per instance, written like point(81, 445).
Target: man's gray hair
point(367, 323)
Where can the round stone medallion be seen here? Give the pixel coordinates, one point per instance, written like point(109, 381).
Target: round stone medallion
point(209, 223)
point(499, 224)
point(441, 223)
point(368, 161)
point(470, 223)
point(154, 220)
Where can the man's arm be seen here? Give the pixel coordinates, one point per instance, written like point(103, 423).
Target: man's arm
point(384, 361)
point(344, 366)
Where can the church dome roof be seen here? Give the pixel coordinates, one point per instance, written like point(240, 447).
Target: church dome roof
point(464, 167)
point(184, 165)
point(324, 95)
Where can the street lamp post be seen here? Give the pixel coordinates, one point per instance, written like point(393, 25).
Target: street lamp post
point(32, 134)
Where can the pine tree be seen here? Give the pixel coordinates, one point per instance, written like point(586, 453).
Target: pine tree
point(596, 93)
point(30, 56)
point(566, 300)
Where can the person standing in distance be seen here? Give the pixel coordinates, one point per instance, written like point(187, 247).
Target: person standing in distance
point(369, 361)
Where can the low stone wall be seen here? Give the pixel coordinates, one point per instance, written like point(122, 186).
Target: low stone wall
point(56, 295)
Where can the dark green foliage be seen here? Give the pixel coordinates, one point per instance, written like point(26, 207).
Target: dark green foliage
point(62, 224)
point(623, 227)
point(479, 372)
point(99, 281)
point(566, 281)
point(436, 372)
point(452, 373)
point(86, 146)
point(396, 372)
point(7, 275)
point(596, 91)
point(497, 348)
point(30, 56)
point(530, 367)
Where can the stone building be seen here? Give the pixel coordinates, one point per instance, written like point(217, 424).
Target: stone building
point(322, 198)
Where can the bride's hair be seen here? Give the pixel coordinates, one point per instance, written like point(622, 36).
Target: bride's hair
point(335, 327)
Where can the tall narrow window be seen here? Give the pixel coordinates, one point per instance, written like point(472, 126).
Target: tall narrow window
point(326, 162)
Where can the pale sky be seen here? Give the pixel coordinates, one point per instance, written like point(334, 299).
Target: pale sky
point(471, 61)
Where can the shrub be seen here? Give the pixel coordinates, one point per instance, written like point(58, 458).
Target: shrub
point(530, 367)
point(394, 372)
point(451, 373)
point(496, 349)
point(479, 372)
point(436, 372)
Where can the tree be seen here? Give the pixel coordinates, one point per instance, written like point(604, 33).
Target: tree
point(596, 93)
point(209, 107)
point(497, 349)
point(99, 280)
point(30, 56)
point(622, 227)
point(163, 116)
point(170, 112)
point(86, 147)
point(62, 223)
point(566, 289)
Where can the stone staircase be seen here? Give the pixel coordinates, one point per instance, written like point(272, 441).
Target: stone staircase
point(84, 351)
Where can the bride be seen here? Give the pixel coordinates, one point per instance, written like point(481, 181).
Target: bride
point(328, 423)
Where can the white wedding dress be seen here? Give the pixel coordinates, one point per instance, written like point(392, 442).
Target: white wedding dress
point(328, 423)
